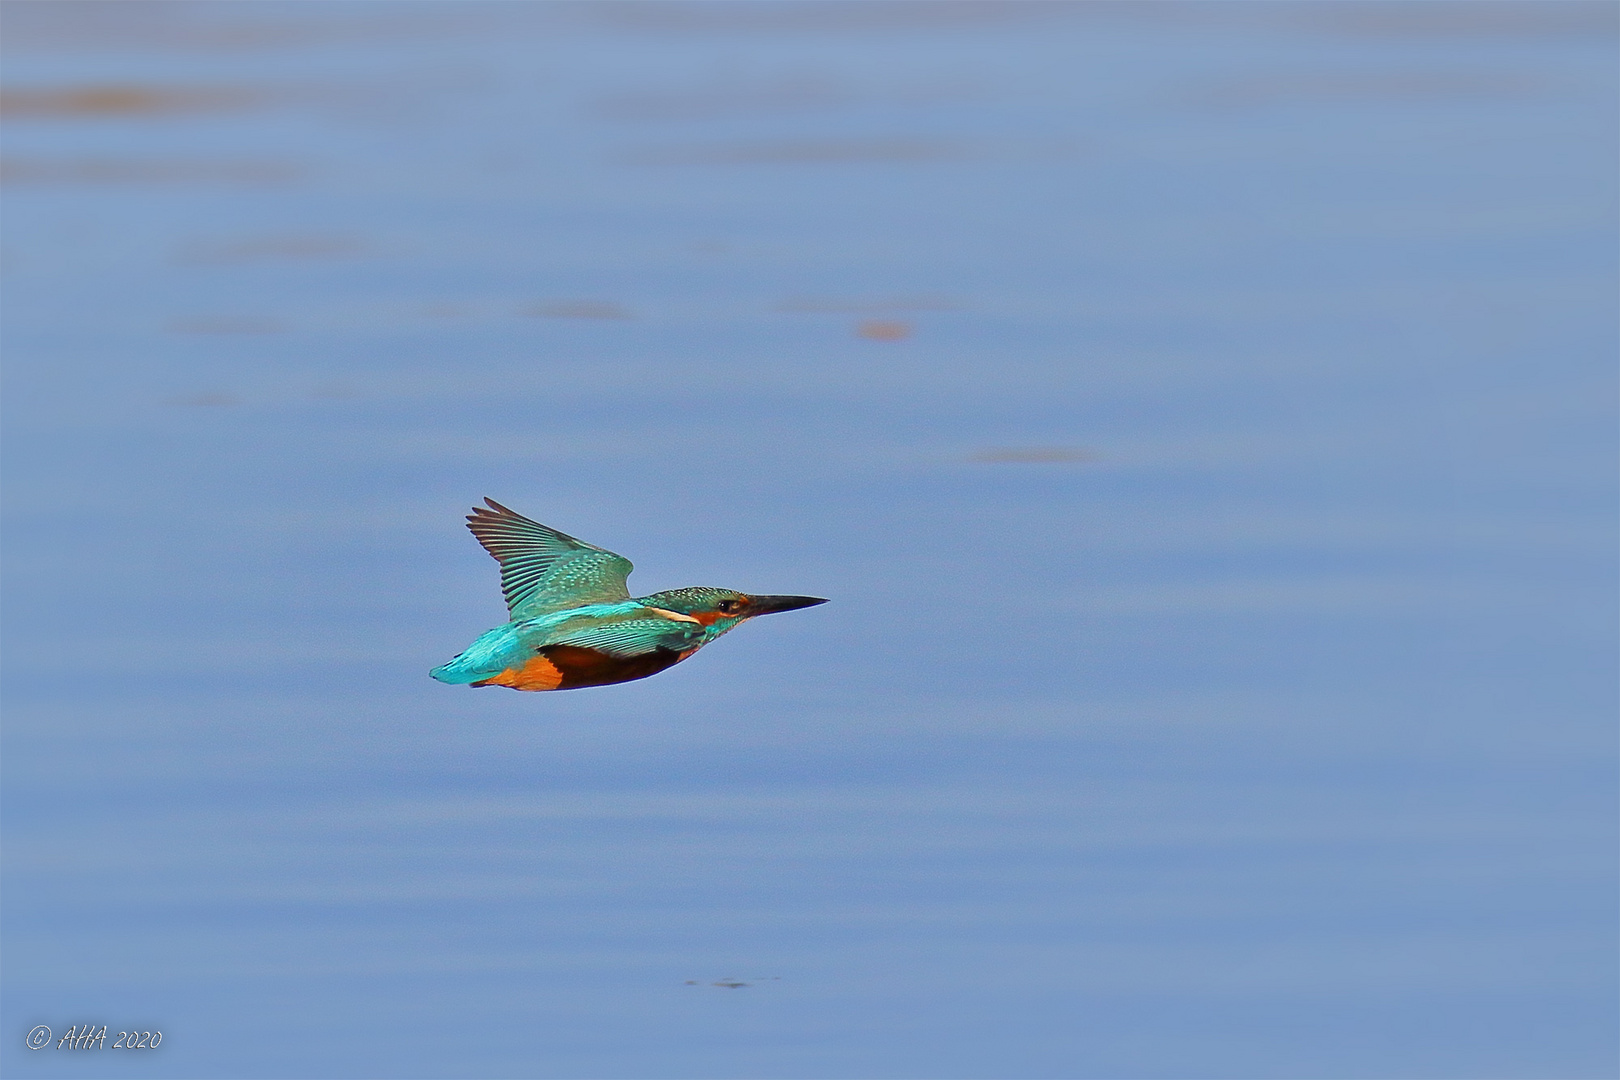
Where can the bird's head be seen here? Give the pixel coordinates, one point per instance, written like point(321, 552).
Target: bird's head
point(721, 609)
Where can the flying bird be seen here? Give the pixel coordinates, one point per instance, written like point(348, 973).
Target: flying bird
point(574, 622)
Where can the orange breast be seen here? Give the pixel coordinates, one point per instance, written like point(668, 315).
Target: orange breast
point(565, 667)
point(538, 674)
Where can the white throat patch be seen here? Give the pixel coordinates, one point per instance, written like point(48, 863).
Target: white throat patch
point(677, 616)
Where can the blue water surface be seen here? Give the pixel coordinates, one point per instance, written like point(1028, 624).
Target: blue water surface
point(1201, 418)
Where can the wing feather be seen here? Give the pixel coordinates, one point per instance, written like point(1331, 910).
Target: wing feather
point(634, 637)
point(543, 570)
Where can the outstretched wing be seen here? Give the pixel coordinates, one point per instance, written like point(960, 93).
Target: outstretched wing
point(543, 570)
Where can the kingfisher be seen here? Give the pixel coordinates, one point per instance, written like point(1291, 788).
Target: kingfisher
point(574, 622)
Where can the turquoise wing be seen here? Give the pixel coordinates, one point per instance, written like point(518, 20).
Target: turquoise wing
point(634, 637)
point(543, 570)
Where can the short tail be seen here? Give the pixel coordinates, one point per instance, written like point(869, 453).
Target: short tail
point(456, 674)
point(484, 659)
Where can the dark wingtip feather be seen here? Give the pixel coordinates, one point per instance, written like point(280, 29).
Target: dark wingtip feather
point(480, 515)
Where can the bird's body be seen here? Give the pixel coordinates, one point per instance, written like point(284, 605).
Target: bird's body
point(574, 622)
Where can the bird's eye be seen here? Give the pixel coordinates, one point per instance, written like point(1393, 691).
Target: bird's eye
point(727, 607)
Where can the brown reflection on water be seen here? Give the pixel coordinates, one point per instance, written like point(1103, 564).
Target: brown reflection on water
point(735, 984)
point(576, 309)
point(798, 152)
point(128, 171)
point(1032, 455)
point(113, 100)
point(883, 330)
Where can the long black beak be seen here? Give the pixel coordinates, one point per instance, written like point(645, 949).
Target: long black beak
point(768, 605)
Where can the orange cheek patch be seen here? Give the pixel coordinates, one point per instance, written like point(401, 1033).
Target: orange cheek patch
point(709, 618)
point(537, 674)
